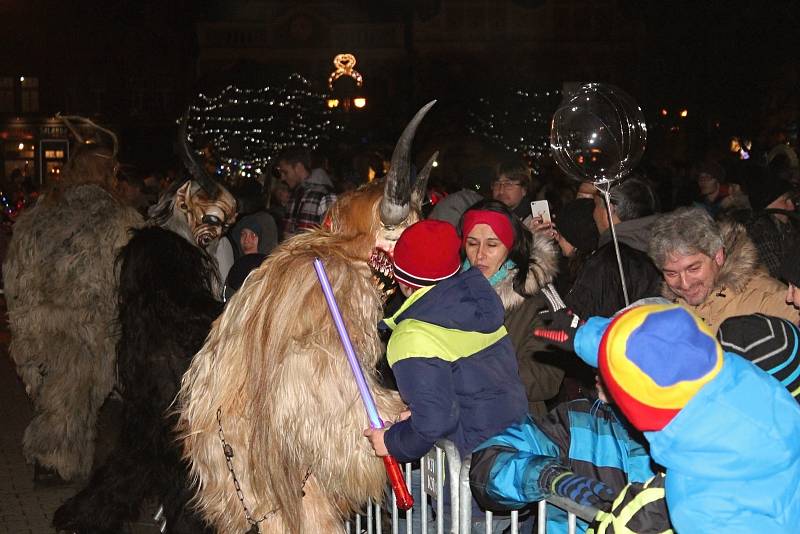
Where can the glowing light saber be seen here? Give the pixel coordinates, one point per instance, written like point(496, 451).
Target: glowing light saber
point(403, 496)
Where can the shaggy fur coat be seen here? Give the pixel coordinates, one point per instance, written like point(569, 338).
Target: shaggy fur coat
point(61, 294)
point(274, 378)
point(166, 307)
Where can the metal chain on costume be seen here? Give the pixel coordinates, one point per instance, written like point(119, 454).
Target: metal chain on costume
point(228, 451)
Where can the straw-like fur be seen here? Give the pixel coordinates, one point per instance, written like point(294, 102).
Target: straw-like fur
point(166, 307)
point(274, 365)
point(61, 293)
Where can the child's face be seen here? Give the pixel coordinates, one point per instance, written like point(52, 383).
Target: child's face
point(406, 290)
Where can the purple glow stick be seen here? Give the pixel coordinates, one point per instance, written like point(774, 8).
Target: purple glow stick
point(403, 497)
point(366, 395)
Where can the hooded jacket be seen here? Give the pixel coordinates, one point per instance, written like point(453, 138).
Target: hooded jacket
point(742, 287)
point(541, 379)
point(454, 365)
point(733, 464)
point(731, 454)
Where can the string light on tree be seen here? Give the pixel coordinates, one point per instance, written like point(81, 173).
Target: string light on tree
point(518, 121)
point(246, 129)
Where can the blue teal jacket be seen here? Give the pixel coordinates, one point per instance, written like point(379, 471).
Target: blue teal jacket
point(732, 454)
point(584, 435)
point(455, 367)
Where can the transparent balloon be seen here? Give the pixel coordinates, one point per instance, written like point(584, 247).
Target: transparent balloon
point(598, 134)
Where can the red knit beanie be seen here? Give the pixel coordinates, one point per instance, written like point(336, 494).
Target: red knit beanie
point(426, 253)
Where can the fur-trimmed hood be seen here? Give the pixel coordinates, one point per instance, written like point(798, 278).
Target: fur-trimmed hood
point(542, 268)
point(741, 260)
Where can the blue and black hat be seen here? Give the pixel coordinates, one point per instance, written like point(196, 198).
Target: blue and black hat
point(769, 342)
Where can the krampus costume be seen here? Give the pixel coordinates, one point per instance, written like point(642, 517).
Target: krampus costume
point(167, 301)
point(269, 404)
point(166, 306)
point(61, 294)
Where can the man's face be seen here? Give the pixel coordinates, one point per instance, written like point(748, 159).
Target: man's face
point(509, 192)
point(292, 173)
point(693, 277)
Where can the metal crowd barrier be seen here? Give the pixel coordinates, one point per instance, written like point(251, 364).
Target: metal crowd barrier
point(459, 518)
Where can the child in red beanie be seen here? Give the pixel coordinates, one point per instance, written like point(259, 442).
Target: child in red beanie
point(451, 356)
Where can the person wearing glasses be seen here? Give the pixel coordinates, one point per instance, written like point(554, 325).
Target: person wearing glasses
point(510, 186)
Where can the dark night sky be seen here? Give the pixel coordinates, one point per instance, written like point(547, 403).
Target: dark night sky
point(730, 60)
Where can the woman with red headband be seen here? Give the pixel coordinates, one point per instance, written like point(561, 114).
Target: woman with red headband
point(517, 264)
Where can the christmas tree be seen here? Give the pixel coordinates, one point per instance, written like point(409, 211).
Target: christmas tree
point(518, 121)
point(246, 129)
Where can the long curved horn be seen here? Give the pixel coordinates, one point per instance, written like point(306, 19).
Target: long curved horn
point(197, 171)
point(421, 185)
point(66, 120)
point(396, 192)
point(108, 132)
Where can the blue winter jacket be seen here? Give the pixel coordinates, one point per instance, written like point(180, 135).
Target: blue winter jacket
point(732, 454)
point(583, 435)
point(455, 367)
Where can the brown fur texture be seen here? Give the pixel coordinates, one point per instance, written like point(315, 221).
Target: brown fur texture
point(60, 289)
point(274, 365)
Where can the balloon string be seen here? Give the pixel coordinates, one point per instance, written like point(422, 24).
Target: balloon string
point(616, 243)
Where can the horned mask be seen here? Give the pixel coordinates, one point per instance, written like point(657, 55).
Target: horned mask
point(385, 212)
point(207, 217)
point(209, 208)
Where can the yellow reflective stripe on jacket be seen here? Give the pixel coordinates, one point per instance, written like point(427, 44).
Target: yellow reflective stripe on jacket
point(616, 521)
point(415, 296)
point(414, 338)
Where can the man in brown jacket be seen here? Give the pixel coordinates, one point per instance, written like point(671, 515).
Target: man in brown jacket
point(713, 269)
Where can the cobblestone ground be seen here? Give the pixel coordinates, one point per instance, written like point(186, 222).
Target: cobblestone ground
point(24, 507)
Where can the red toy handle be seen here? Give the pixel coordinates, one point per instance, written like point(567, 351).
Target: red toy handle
point(404, 499)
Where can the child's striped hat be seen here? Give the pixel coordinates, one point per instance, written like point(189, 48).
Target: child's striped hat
point(654, 359)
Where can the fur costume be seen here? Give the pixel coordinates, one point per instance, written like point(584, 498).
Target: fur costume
point(273, 378)
point(166, 307)
point(61, 286)
point(61, 294)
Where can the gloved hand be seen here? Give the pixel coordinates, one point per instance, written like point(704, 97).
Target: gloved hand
point(557, 479)
point(560, 328)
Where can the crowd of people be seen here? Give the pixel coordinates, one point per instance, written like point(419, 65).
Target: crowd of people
point(661, 393)
point(669, 420)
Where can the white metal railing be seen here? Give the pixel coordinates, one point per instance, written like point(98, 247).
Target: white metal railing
point(459, 516)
